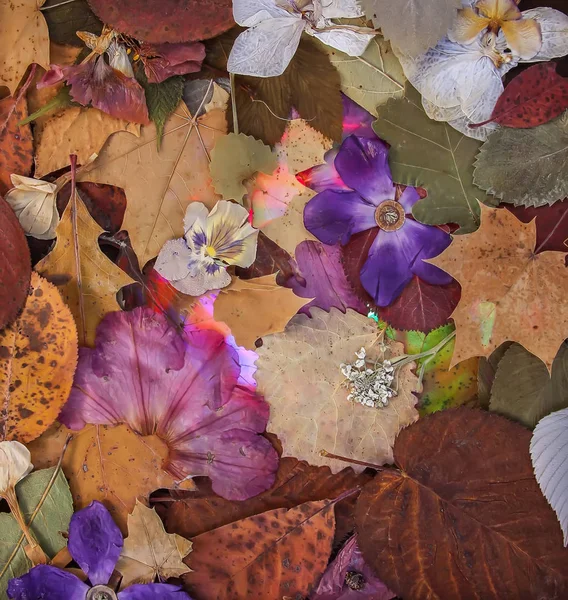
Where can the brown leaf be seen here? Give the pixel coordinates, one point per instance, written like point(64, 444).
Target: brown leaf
point(247, 307)
point(92, 280)
point(113, 465)
point(464, 517)
point(15, 264)
point(38, 357)
point(270, 258)
point(277, 553)
point(508, 292)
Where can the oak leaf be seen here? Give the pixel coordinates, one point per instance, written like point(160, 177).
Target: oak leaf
point(38, 356)
point(465, 482)
point(91, 280)
point(278, 553)
point(247, 307)
point(508, 292)
point(149, 552)
point(309, 409)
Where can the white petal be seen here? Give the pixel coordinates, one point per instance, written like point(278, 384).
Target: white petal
point(196, 211)
point(31, 184)
point(172, 262)
point(202, 282)
point(36, 209)
point(335, 9)
point(554, 29)
point(350, 42)
point(266, 49)
point(251, 12)
point(15, 464)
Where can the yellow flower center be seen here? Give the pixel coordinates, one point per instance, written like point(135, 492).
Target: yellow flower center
point(211, 251)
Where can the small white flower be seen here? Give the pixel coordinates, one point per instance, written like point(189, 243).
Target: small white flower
point(15, 464)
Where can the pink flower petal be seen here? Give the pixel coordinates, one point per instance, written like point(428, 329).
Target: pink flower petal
point(165, 60)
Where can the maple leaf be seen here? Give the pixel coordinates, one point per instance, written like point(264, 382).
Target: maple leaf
point(550, 224)
point(465, 479)
point(149, 553)
point(309, 408)
point(91, 279)
point(38, 356)
point(508, 291)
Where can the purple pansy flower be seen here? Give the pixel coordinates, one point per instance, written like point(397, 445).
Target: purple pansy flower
point(95, 543)
point(357, 193)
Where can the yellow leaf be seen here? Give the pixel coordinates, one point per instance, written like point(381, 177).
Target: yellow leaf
point(38, 357)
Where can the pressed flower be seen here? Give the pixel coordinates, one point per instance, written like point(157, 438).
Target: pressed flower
point(356, 193)
point(213, 241)
point(111, 87)
point(166, 60)
point(15, 464)
point(95, 543)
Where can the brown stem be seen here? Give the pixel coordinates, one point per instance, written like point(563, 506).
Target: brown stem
point(351, 460)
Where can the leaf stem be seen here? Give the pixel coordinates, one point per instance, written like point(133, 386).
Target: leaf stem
point(234, 103)
point(351, 461)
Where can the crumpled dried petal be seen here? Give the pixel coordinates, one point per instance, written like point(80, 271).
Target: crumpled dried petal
point(166, 60)
point(15, 464)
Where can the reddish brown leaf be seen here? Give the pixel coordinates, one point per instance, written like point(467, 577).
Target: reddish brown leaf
point(158, 21)
point(464, 517)
point(270, 258)
point(354, 255)
point(422, 306)
point(15, 265)
point(296, 483)
point(266, 557)
point(534, 97)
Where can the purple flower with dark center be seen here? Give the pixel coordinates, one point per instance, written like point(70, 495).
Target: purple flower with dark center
point(95, 543)
point(357, 193)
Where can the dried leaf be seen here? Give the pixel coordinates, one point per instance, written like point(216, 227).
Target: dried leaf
point(465, 482)
point(551, 224)
point(524, 390)
point(270, 258)
point(525, 167)
point(247, 307)
point(508, 292)
point(301, 146)
point(25, 40)
point(149, 553)
point(277, 553)
point(91, 279)
point(235, 159)
point(370, 79)
point(15, 265)
point(64, 19)
point(486, 374)
point(432, 155)
point(38, 356)
point(309, 409)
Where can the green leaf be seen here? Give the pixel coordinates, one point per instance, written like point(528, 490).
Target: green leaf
point(64, 19)
point(162, 99)
point(523, 389)
point(432, 155)
point(236, 158)
point(526, 167)
point(370, 79)
point(47, 506)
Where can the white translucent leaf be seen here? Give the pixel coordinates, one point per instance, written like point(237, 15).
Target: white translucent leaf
point(549, 454)
point(349, 42)
point(251, 12)
point(335, 9)
point(554, 29)
point(266, 49)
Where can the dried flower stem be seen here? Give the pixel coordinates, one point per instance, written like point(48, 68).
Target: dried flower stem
point(351, 461)
point(234, 103)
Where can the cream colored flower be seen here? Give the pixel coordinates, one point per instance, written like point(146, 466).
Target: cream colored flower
point(15, 464)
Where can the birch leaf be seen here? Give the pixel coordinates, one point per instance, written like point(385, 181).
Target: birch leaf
point(309, 410)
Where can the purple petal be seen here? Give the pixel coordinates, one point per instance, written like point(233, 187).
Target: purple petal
point(433, 242)
point(323, 279)
point(324, 177)
point(335, 216)
point(356, 120)
point(51, 77)
point(408, 199)
point(332, 585)
point(166, 60)
point(363, 166)
point(95, 542)
point(153, 591)
point(47, 582)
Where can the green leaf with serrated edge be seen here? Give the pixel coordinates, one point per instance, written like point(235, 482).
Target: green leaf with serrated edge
point(523, 389)
point(47, 506)
point(525, 167)
point(236, 158)
point(432, 155)
point(370, 79)
point(161, 99)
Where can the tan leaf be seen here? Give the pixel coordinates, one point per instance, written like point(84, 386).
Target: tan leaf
point(299, 375)
point(508, 291)
point(160, 185)
point(149, 552)
point(254, 308)
point(302, 146)
point(90, 279)
point(38, 356)
point(25, 40)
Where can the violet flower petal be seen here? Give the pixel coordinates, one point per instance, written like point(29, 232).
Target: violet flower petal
point(324, 177)
point(335, 216)
point(386, 271)
point(45, 581)
point(51, 77)
point(95, 542)
point(153, 591)
point(166, 60)
point(408, 199)
point(363, 166)
point(356, 120)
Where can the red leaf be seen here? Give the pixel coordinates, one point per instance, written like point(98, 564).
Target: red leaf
point(422, 306)
point(534, 97)
point(158, 21)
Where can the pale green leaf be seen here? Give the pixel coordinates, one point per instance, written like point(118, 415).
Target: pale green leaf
point(432, 155)
point(162, 99)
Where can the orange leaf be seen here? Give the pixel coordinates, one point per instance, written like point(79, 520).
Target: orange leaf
point(38, 357)
point(275, 554)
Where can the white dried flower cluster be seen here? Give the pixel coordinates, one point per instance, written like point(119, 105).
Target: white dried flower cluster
point(369, 386)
